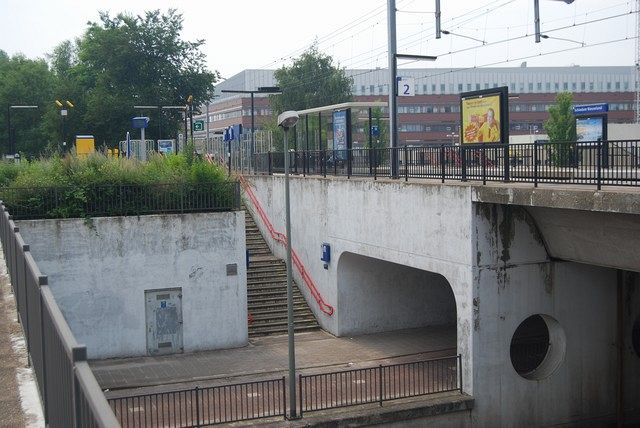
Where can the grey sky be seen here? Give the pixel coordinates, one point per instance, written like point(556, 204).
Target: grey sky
point(243, 34)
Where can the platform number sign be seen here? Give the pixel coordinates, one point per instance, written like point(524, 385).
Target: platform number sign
point(406, 87)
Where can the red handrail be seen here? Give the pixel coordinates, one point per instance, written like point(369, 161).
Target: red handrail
point(280, 237)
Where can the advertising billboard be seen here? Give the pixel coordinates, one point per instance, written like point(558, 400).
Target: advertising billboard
point(484, 116)
point(166, 147)
point(590, 128)
point(340, 134)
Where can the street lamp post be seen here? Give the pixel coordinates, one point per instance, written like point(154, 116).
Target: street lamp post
point(11, 146)
point(63, 116)
point(287, 120)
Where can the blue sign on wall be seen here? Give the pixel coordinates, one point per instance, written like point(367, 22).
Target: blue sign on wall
point(375, 130)
point(591, 108)
point(340, 134)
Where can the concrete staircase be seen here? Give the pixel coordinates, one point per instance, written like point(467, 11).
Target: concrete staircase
point(267, 290)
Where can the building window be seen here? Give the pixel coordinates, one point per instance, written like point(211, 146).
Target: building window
point(362, 90)
point(512, 87)
point(608, 86)
point(531, 87)
point(557, 86)
point(539, 86)
point(459, 87)
point(565, 86)
point(495, 85)
point(521, 87)
point(468, 86)
point(583, 86)
point(372, 89)
point(381, 89)
point(548, 86)
point(433, 88)
point(574, 86)
point(617, 86)
point(626, 86)
point(442, 88)
point(486, 86)
point(477, 86)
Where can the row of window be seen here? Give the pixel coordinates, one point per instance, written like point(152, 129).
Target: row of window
point(547, 87)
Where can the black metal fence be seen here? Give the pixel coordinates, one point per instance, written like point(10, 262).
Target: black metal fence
point(597, 163)
point(246, 401)
point(378, 384)
point(120, 200)
point(202, 406)
point(68, 390)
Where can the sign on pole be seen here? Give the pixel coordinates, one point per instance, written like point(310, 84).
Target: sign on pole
point(406, 87)
point(198, 125)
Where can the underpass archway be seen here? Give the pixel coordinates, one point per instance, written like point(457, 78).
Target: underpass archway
point(375, 296)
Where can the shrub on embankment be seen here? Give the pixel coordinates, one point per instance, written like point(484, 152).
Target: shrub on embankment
point(64, 187)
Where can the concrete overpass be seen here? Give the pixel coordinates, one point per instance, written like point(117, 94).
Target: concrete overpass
point(514, 267)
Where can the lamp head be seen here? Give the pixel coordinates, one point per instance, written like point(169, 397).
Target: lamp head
point(288, 119)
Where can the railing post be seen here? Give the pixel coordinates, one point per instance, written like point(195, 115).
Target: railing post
point(380, 384)
point(197, 408)
point(304, 163)
point(375, 164)
point(535, 163)
point(324, 161)
point(460, 371)
point(599, 164)
point(349, 160)
point(442, 161)
point(300, 393)
point(463, 159)
point(269, 168)
point(406, 163)
point(483, 151)
point(506, 161)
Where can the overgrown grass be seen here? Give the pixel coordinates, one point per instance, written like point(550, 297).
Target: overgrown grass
point(60, 187)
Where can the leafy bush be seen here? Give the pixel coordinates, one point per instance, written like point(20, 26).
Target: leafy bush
point(62, 187)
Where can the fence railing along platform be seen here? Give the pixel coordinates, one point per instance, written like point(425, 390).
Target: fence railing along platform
point(196, 407)
point(600, 163)
point(70, 394)
point(120, 200)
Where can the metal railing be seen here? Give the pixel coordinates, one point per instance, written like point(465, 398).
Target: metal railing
point(378, 384)
point(120, 200)
point(202, 406)
point(599, 163)
point(68, 390)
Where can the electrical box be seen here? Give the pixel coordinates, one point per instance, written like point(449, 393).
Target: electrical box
point(85, 145)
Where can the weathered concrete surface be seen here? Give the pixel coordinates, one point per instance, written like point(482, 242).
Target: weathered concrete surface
point(99, 270)
point(439, 410)
point(394, 221)
point(592, 237)
point(514, 279)
point(576, 197)
point(374, 296)
point(493, 255)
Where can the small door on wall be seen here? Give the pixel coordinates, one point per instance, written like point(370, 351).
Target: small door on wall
point(163, 310)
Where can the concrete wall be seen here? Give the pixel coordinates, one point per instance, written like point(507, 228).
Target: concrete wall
point(99, 270)
point(391, 221)
point(513, 279)
point(495, 260)
point(374, 296)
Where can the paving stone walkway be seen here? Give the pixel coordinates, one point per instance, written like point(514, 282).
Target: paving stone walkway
point(266, 357)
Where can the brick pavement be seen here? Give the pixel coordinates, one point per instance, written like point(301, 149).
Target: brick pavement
point(266, 357)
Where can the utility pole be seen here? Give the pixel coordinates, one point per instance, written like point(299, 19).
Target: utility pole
point(393, 85)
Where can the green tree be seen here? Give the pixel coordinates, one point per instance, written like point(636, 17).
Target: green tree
point(130, 60)
point(311, 81)
point(561, 129)
point(27, 82)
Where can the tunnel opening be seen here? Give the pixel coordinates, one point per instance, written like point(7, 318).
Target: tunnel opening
point(537, 347)
point(376, 296)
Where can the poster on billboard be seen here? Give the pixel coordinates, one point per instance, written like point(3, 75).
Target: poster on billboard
point(340, 134)
point(484, 116)
point(166, 147)
point(591, 128)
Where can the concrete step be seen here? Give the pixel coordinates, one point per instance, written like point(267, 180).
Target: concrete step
point(263, 301)
point(299, 307)
point(275, 318)
point(281, 328)
point(276, 292)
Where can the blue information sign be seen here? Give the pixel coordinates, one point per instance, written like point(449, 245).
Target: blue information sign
point(375, 130)
point(591, 108)
point(140, 122)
